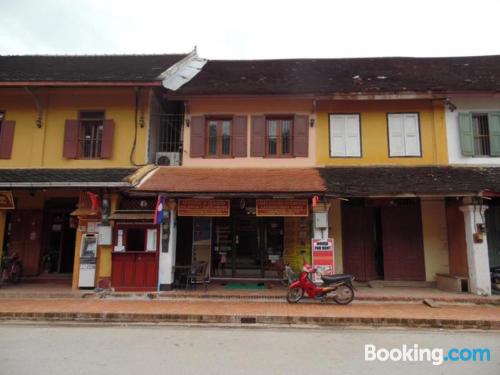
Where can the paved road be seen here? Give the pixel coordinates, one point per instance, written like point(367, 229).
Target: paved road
point(149, 350)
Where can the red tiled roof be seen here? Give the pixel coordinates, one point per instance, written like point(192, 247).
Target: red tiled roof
point(227, 180)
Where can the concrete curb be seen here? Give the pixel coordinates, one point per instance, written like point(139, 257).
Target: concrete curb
point(254, 319)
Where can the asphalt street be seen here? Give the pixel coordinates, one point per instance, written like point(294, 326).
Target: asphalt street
point(163, 349)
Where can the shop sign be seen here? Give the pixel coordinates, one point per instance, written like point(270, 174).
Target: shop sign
point(6, 200)
point(203, 207)
point(282, 207)
point(322, 257)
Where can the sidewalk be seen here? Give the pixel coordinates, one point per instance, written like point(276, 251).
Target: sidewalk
point(237, 312)
point(274, 292)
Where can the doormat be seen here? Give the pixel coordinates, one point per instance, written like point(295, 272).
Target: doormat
point(247, 286)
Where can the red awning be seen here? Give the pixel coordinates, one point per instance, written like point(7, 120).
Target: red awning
point(229, 180)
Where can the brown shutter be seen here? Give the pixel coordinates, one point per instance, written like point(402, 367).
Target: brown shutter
point(107, 139)
point(258, 141)
point(70, 149)
point(240, 136)
point(301, 135)
point(197, 137)
point(6, 138)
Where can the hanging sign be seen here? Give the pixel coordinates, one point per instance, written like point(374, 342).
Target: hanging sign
point(203, 207)
point(322, 257)
point(282, 207)
point(6, 200)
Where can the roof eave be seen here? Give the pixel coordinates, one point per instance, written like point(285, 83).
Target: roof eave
point(80, 83)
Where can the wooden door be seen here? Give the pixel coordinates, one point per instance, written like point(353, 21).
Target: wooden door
point(26, 238)
point(402, 243)
point(493, 234)
point(145, 270)
point(358, 241)
point(134, 271)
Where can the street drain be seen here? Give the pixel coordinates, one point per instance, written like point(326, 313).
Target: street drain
point(248, 320)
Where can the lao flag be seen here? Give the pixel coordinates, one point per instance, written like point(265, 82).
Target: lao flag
point(160, 203)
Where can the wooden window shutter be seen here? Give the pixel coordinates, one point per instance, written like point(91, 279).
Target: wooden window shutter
point(197, 149)
point(240, 136)
point(108, 133)
point(494, 128)
point(6, 138)
point(466, 133)
point(301, 135)
point(258, 141)
point(70, 149)
point(352, 135)
point(396, 135)
point(411, 134)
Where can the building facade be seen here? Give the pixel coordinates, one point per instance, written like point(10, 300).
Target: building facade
point(249, 162)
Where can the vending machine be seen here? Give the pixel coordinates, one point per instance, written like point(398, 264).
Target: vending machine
point(88, 255)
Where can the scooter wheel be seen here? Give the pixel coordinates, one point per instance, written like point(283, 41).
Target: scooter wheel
point(344, 295)
point(294, 295)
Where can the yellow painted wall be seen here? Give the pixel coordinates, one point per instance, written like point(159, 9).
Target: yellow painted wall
point(335, 231)
point(43, 147)
point(297, 239)
point(374, 138)
point(435, 237)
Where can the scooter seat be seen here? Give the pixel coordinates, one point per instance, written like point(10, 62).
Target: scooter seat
point(336, 278)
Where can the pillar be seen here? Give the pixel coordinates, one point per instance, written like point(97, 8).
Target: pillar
point(167, 253)
point(477, 249)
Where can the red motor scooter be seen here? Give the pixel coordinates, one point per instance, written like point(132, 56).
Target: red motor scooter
point(337, 286)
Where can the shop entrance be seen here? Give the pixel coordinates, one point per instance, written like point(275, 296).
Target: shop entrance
point(382, 239)
point(247, 247)
point(59, 236)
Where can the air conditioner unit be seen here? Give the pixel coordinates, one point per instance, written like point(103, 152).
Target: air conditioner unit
point(168, 158)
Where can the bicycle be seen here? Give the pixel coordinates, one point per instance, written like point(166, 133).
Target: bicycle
point(11, 269)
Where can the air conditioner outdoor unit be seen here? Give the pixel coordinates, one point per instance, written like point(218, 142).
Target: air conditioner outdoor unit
point(168, 158)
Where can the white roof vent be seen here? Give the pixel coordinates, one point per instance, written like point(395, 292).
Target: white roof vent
point(183, 71)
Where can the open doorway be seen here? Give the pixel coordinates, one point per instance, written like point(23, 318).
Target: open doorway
point(58, 250)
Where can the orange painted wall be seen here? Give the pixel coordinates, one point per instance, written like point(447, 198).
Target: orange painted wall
point(250, 106)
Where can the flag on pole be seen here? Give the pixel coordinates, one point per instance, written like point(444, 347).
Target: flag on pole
point(160, 204)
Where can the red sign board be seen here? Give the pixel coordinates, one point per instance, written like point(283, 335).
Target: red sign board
point(322, 257)
point(282, 207)
point(6, 200)
point(203, 207)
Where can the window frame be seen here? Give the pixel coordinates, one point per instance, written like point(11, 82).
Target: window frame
point(279, 142)
point(144, 227)
point(219, 127)
point(420, 155)
point(330, 135)
point(80, 147)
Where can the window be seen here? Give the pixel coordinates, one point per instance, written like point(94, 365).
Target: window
point(345, 139)
point(279, 136)
point(219, 137)
point(479, 133)
point(404, 134)
point(130, 237)
point(90, 134)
